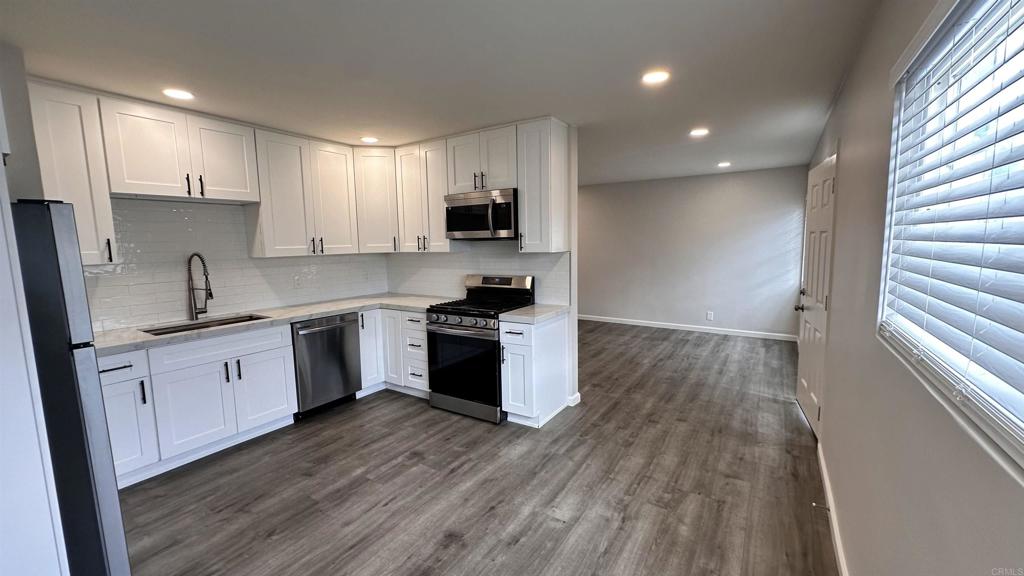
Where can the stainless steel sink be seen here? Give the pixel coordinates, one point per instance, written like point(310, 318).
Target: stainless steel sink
point(200, 324)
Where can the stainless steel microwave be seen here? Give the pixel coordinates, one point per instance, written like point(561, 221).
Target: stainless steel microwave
point(481, 215)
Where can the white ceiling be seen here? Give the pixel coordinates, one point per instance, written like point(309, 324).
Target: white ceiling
point(759, 73)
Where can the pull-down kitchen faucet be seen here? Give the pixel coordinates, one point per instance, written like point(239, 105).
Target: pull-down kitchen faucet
point(208, 292)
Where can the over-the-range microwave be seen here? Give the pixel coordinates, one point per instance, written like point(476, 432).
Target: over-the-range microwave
point(481, 215)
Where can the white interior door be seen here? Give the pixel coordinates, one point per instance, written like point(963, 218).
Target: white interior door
point(411, 200)
point(376, 202)
point(147, 149)
point(464, 163)
point(334, 198)
point(223, 160)
point(70, 144)
point(815, 289)
point(286, 211)
point(434, 175)
point(498, 158)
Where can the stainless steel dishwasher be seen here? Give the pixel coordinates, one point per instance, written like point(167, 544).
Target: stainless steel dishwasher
point(326, 359)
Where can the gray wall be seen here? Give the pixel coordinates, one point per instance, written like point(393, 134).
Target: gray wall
point(915, 492)
point(668, 251)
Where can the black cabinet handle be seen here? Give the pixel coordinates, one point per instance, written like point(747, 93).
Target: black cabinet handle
point(419, 240)
point(483, 180)
point(227, 373)
point(362, 322)
point(321, 244)
point(515, 332)
point(502, 354)
point(799, 308)
point(474, 180)
point(394, 243)
point(142, 390)
point(520, 241)
point(413, 320)
point(415, 346)
point(202, 187)
point(238, 368)
point(416, 374)
point(188, 184)
point(425, 245)
point(110, 252)
point(312, 242)
point(116, 368)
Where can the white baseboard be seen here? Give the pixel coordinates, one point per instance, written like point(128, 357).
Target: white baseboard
point(424, 394)
point(574, 399)
point(837, 541)
point(369, 390)
point(691, 327)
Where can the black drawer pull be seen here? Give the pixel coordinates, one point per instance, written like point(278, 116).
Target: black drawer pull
point(515, 332)
point(415, 346)
point(116, 368)
point(415, 374)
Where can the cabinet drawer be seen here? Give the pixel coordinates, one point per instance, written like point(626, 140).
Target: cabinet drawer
point(121, 367)
point(197, 352)
point(512, 333)
point(414, 345)
point(414, 321)
point(416, 375)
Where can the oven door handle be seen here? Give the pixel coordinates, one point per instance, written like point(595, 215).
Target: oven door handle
point(478, 333)
point(490, 216)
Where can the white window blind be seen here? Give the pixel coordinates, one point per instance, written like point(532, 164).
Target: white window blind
point(954, 282)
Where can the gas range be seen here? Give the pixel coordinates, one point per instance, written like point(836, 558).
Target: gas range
point(464, 352)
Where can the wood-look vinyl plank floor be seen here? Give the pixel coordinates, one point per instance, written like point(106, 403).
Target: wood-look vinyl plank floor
point(688, 455)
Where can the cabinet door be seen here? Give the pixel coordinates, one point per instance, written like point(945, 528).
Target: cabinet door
point(286, 198)
point(147, 149)
point(392, 326)
point(434, 178)
point(371, 352)
point(223, 160)
point(194, 407)
point(131, 424)
point(517, 379)
point(543, 198)
point(412, 206)
point(498, 158)
point(70, 146)
point(464, 163)
point(264, 387)
point(376, 199)
point(334, 198)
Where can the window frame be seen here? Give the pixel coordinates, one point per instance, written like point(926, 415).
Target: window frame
point(974, 410)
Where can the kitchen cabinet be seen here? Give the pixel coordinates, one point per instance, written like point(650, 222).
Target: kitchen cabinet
point(131, 424)
point(412, 204)
point(392, 336)
point(69, 141)
point(517, 379)
point(264, 387)
point(334, 198)
point(543, 186)
point(156, 151)
point(534, 370)
point(422, 175)
point(194, 407)
point(371, 348)
point(223, 160)
point(484, 160)
point(376, 199)
point(282, 224)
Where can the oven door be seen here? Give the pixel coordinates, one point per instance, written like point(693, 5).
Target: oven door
point(483, 215)
point(464, 363)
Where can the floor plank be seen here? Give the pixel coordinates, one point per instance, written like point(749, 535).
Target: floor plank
point(688, 455)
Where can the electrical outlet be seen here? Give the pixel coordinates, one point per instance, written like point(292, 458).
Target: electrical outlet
point(710, 315)
point(298, 281)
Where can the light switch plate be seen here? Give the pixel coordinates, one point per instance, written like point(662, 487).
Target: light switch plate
point(710, 315)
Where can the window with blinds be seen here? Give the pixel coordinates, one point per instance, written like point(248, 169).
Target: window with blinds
point(954, 282)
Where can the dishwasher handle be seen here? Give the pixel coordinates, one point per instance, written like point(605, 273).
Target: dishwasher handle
point(305, 331)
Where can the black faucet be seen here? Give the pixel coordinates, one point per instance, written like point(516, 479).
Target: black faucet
point(195, 310)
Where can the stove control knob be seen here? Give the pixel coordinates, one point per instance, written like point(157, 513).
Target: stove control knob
point(457, 319)
point(444, 318)
point(472, 321)
point(433, 317)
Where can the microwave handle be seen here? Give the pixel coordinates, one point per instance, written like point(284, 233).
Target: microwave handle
point(490, 216)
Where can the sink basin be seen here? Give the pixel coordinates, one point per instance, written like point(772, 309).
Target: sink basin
point(200, 324)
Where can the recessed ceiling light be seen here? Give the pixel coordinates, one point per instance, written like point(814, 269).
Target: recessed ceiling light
point(178, 94)
point(369, 139)
point(654, 77)
point(724, 164)
point(699, 132)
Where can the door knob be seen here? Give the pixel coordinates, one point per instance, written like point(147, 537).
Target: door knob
point(799, 308)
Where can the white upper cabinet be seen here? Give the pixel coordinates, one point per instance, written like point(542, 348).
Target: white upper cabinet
point(147, 149)
point(412, 204)
point(334, 198)
point(434, 178)
point(376, 199)
point(70, 146)
point(498, 158)
point(223, 160)
point(464, 163)
point(543, 183)
point(283, 222)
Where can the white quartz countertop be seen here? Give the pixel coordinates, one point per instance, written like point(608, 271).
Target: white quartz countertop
point(121, 340)
point(536, 314)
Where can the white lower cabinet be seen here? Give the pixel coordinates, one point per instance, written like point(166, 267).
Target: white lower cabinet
point(517, 380)
point(264, 387)
point(392, 322)
point(194, 407)
point(131, 424)
point(534, 370)
point(371, 348)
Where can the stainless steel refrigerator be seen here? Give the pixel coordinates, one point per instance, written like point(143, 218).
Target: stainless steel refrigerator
point(69, 383)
